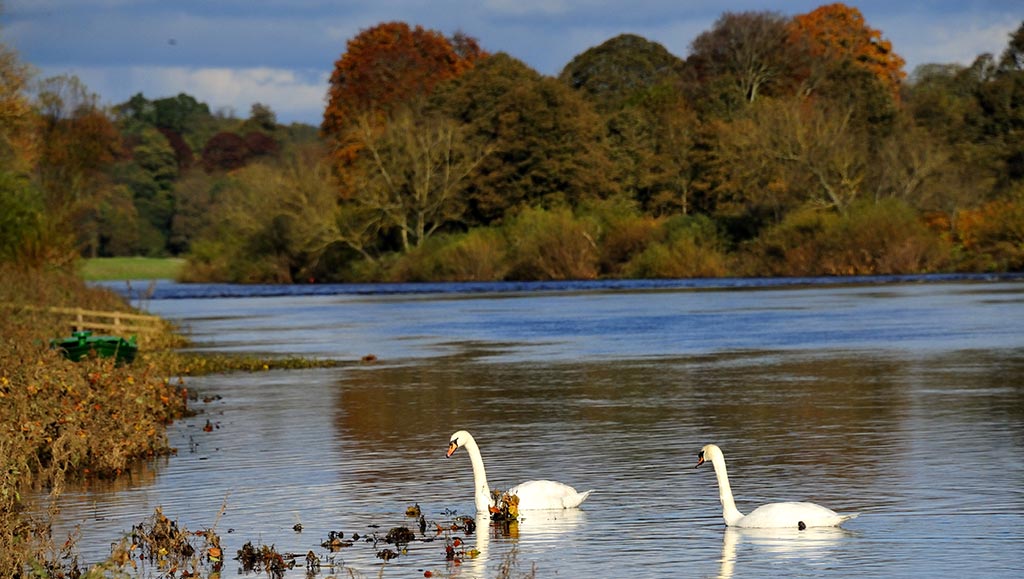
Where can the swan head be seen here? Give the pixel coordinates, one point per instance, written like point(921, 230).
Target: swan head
point(457, 440)
point(709, 452)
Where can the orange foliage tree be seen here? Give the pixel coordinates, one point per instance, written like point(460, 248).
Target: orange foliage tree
point(387, 65)
point(838, 33)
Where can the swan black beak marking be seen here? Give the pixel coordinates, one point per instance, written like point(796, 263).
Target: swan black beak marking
point(700, 459)
point(452, 447)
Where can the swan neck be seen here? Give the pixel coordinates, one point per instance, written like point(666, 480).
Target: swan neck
point(482, 491)
point(729, 511)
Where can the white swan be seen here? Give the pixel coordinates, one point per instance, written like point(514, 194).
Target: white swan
point(774, 515)
point(533, 495)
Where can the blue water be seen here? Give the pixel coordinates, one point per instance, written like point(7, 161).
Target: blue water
point(901, 399)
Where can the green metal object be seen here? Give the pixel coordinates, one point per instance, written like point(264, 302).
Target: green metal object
point(80, 344)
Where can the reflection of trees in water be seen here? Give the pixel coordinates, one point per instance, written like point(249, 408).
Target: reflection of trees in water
point(841, 415)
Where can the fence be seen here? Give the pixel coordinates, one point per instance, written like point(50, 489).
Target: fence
point(118, 323)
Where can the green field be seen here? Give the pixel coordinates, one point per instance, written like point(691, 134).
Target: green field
point(116, 268)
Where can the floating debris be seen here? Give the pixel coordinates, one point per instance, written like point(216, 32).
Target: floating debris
point(264, 559)
point(413, 511)
point(400, 536)
point(386, 554)
point(335, 541)
point(312, 562)
point(162, 542)
point(507, 507)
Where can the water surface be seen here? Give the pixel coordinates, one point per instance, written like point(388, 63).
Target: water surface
point(901, 400)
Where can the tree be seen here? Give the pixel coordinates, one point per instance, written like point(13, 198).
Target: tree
point(836, 34)
point(413, 171)
point(748, 50)
point(547, 142)
point(274, 222)
point(785, 153)
point(17, 143)
point(385, 66)
point(78, 143)
point(1012, 59)
point(620, 69)
point(225, 151)
point(148, 174)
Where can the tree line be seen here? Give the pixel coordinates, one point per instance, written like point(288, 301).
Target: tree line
point(779, 146)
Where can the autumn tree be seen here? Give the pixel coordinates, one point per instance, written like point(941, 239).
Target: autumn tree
point(17, 146)
point(387, 65)
point(78, 143)
point(786, 153)
point(837, 34)
point(225, 151)
point(412, 172)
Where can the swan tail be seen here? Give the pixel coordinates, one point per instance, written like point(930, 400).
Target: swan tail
point(577, 500)
point(844, 518)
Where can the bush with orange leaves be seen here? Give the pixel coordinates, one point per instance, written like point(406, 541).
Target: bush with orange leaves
point(992, 236)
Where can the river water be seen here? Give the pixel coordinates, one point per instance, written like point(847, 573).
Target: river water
point(899, 399)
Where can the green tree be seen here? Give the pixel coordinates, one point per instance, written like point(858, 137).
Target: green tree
point(149, 173)
point(749, 51)
point(621, 69)
point(274, 222)
point(548, 146)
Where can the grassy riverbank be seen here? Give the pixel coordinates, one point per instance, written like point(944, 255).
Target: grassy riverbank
point(62, 421)
point(117, 268)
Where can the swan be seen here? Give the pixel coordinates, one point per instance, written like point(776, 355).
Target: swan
point(773, 515)
point(533, 495)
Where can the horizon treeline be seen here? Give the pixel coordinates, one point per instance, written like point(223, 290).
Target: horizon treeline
point(780, 146)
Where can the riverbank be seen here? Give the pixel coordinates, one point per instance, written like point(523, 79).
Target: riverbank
point(62, 421)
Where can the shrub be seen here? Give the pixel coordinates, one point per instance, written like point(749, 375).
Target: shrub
point(690, 246)
point(479, 255)
point(551, 245)
point(992, 236)
point(624, 232)
point(882, 238)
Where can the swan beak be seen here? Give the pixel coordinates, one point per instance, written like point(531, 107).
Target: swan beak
point(700, 459)
point(452, 447)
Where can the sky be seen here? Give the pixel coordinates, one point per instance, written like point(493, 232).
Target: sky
point(231, 54)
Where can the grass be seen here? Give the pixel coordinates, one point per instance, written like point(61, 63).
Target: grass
point(117, 268)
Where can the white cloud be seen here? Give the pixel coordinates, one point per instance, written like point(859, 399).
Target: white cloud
point(292, 95)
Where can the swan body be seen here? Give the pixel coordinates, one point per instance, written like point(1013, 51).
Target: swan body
point(533, 495)
point(773, 515)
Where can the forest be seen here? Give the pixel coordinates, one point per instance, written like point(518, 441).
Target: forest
point(779, 146)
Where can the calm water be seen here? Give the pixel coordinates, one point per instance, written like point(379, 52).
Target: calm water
point(901, 401)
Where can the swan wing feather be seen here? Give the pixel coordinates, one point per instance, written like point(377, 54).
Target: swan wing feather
point(547, 494)
point(780, 515)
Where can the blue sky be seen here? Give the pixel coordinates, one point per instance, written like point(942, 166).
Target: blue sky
point(233, 53)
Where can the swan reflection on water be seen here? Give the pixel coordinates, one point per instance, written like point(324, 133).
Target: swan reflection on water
point(541, 529)
point(809, 544)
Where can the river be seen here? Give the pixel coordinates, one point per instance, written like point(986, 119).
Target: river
point(900, 399)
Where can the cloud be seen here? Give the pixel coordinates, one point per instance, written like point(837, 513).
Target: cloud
point(294, 96)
